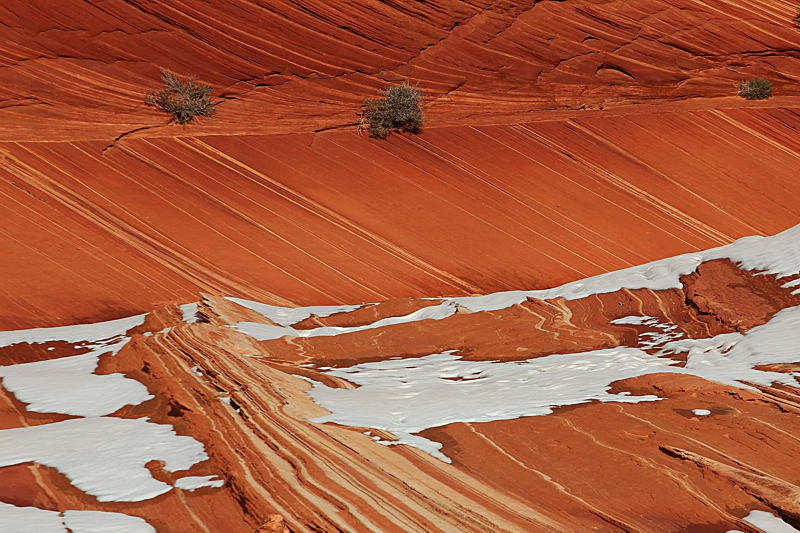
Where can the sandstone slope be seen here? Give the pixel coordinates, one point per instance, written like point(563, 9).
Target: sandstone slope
point(176, 383)
point(78, 69)
point(337, 218)
point(677, 411)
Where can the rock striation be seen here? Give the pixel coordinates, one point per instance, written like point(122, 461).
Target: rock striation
point(272, 323)
point(299, 220)
point(629, 398)
point(78, 70)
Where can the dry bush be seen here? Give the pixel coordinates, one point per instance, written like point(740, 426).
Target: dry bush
point(400, 109)
point(184, 99)
point(755, 89)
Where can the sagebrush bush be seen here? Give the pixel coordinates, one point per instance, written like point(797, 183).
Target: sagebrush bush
point(400, 109)
point(755, 89)
point(184, 99)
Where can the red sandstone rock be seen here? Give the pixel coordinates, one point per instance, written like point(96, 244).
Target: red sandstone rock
point(472, 210)
point(783, 497)
point(274, 523)
point(221, 312)
point(723, 293)
point(367, 314)
point(595, 466)
point(519, 181)
point(78, 70)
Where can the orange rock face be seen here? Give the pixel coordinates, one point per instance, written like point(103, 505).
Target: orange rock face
point(345, 219)
point(596, 466)
point(565, 140)
point(77, 70)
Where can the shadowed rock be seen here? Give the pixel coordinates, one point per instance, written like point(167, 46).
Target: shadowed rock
point(781, 496)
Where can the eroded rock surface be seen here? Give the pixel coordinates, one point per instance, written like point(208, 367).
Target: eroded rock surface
point(347, 219)
point(565, 139)
point(277, 461)
point(78, 70)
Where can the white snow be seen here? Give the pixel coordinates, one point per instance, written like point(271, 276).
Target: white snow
point(636, 320)
point(650, 339)
point(105, 522)
point(189, 312)
point(104, 457)
point(73, 334)
point(730, 358)
point(405, 396)
point(68, 385)
point(191, 483)
point(778, 254)
point(721, 343)
point(766, 522)
point(264, 332)
point(287, 316)
point(15, 519)
point(701, 412)
point(657, 275)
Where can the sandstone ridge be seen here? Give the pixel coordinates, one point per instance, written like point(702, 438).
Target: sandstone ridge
point(75, 70)
point(258, 385)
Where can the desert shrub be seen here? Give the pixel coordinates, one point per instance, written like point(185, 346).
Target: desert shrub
point(400, 109)
point(184, 99)
point(755, 89)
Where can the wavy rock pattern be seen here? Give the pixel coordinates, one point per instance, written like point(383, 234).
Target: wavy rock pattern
point(77, 70)
point(565, 139)
point(781, 496)
point(573, 470)
point(301, 219)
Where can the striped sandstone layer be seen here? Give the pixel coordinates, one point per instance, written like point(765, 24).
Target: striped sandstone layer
point(337, 218)
point(589, 467)
point(78, 70)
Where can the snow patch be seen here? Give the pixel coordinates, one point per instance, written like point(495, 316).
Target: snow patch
point(288, 316)
point(650, 339)
point(405, 396)
point(104, 457)
point(635, 320)
point(105, 522)
point(189, 312)
point(729, 358)
point(778, 254)
point(15, 519)
point(264, 332)
point(77, 333)
point(69, 386)
point(191, 483)
point(766, 522)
